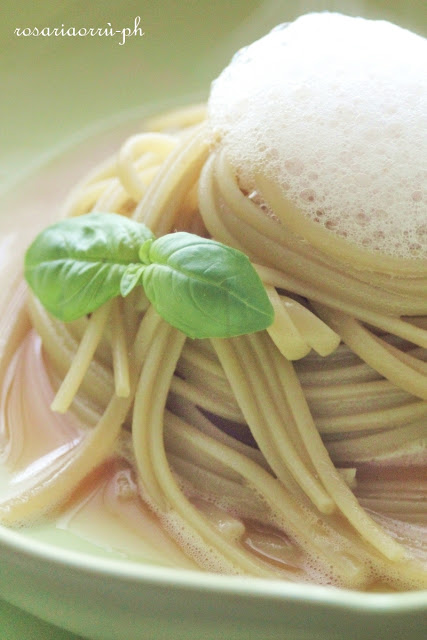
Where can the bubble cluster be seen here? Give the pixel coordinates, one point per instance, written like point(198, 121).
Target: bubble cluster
point(334, 109)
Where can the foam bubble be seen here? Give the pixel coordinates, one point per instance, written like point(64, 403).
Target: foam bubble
point(334, 109)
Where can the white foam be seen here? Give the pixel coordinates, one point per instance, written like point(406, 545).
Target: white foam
point(334, 108)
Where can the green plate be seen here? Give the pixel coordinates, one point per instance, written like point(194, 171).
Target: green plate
point(16, 624)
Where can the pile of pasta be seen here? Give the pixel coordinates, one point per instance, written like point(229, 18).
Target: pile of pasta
point(295, 453)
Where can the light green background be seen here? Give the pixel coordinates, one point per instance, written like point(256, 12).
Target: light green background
point(53, 90)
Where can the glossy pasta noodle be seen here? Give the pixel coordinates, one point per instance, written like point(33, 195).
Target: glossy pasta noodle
point(297, 452)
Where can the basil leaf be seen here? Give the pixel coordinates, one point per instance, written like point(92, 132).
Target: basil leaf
point(130, 278)
point(144, 252)
point(77, 264)
point(204, 288)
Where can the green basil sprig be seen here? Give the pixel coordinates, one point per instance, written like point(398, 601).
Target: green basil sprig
point(202, 287)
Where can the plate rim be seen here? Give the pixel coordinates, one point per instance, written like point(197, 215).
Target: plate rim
point(246, 586)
